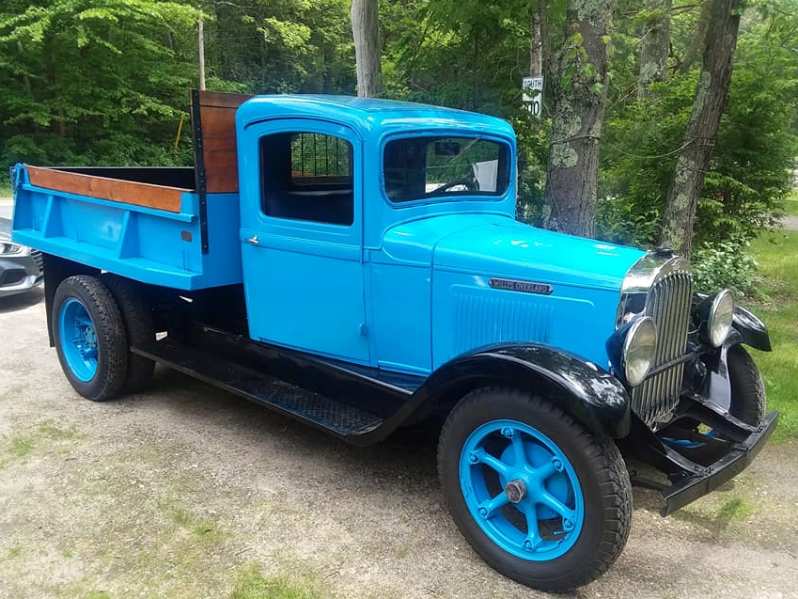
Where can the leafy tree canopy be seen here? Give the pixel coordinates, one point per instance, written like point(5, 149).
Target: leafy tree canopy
point(106, 82)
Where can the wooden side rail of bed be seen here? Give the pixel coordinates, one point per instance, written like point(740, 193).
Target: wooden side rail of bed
point(160, 197)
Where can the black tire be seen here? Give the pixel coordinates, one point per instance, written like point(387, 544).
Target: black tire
point(599, 467)
point(137, 316)
point(748, 402)
point(111, 371)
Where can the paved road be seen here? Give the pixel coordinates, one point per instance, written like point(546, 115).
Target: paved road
point(790, 223)
point(171, 492)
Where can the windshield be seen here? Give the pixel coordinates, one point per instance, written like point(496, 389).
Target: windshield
point(417, 168)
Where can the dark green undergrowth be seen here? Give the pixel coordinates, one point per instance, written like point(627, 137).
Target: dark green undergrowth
point(777, 305)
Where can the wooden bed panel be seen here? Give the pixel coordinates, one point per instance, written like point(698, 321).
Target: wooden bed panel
point(217, 113)
point(128, 192)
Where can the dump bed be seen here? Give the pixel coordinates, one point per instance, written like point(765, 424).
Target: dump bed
point(174, 227)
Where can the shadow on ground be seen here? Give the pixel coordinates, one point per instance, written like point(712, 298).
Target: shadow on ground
point(21, 301)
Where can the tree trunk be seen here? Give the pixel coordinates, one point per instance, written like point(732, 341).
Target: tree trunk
point(365, 31)
point(579, 93)
point(699, 38)
point(708, 106)
point(655, 45)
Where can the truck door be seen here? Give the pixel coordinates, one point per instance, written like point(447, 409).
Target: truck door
point(301, 235)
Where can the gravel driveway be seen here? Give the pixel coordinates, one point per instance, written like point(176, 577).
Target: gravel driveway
point(6, 207)
point(174, 492)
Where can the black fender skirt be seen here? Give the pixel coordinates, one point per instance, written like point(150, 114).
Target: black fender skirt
point(589, 394)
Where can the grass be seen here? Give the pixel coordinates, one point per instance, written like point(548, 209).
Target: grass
point(5, 189)
point(251, 584)
point(21, 444)
point(777, 255)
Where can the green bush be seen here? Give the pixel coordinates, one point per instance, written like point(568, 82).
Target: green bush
point(724, 264)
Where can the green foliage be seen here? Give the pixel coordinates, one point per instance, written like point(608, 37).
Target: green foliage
point(717, 265)
point(281, 46)
point(106, 82)
point(92, 81)
point(754, 154)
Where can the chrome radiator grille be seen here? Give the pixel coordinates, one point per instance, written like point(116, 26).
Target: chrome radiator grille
point(668, 303)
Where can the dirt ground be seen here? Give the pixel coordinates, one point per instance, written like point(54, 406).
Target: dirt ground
point(174, 492)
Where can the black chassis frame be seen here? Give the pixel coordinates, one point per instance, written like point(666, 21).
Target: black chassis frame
point(363, 405)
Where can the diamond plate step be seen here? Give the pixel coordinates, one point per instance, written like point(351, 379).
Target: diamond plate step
point(336, 417)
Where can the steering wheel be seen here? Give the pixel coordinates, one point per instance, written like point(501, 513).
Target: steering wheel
point(469, 182)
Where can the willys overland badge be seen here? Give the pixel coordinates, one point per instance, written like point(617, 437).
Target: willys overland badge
point(523, 286)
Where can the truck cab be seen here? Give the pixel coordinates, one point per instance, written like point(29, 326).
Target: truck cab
point(380, 232)
point(356, 264)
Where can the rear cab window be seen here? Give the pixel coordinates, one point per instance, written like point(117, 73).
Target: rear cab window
point(437, 167)
point(307, 176)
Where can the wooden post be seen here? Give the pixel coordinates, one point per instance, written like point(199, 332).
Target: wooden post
point(201, 49)
point(536, 41)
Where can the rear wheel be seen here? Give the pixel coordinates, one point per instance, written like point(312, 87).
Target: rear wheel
point(137, 317)
point(89, 337)
point(543, 501)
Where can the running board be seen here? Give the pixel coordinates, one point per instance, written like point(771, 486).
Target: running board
point(338, 418)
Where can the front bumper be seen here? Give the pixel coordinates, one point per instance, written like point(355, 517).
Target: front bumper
point(735, 460)
point(19, 273)
point(689, 464)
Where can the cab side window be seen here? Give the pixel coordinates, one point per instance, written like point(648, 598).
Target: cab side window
point(307, 176)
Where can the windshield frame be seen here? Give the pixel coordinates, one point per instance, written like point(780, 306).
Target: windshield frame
point(457, 196)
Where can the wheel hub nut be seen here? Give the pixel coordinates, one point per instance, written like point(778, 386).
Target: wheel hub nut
point(516, 490)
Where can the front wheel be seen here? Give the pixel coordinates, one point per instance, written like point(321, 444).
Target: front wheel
point(90, 337)
point(540, 499)
point(748, 401)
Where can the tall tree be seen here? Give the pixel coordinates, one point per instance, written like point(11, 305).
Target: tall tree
point(365, 31)
point(579, 92)
point(708, 106)
point(654, 44)
point(699, 38)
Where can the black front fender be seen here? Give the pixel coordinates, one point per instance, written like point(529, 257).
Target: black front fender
point(586, 392)
point(752, 330)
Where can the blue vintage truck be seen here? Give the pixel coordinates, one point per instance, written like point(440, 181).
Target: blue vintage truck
point(367, 253)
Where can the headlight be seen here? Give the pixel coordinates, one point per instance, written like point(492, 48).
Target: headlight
point(639, 347)
point(10, 249)
point(719, 319)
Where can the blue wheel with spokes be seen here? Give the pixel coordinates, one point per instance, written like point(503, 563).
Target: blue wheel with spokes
point(521, 489)
point(78, 339)
point(539, 497)
point(90, 337)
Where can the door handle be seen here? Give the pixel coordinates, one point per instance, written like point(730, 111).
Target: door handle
point(253, 240)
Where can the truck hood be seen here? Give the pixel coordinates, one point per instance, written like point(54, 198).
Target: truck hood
point(499, 246)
